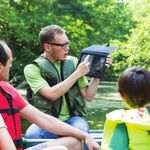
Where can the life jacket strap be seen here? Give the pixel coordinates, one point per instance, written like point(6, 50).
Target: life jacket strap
point(9, 111)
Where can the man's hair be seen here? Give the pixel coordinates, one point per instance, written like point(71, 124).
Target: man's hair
point(3, 55)
point(47, 33)
point(134, 85)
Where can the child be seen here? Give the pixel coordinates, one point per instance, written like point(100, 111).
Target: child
point(130, 129)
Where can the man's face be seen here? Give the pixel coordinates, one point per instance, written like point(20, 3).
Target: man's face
point(59, 47)
point(4, 70)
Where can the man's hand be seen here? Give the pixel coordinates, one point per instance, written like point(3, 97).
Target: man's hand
point(92, 145)
point(108, 61)
point(83, 67)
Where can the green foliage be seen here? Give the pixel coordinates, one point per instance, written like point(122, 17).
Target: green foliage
point(136, 50)
point(87, 23)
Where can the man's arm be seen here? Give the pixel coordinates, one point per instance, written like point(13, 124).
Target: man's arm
point(56, 126)
point(56, 91)
point(61, 88)
point(89, 92)
point(6, 142)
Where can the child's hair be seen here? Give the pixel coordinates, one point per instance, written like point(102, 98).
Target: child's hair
point(134, 86)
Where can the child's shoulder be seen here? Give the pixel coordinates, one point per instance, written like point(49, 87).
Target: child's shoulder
point(131, 115)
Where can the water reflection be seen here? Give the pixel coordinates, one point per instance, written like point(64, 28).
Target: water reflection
point(97, 111)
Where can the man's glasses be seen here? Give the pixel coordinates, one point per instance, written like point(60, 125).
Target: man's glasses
point(61, 45)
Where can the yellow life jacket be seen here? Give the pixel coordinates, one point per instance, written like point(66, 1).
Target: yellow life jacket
point(138, 127)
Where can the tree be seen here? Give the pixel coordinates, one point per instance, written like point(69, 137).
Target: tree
point(136, 50)
point(87, 23)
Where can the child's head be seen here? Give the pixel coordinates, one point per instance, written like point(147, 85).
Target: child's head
point(134, 86)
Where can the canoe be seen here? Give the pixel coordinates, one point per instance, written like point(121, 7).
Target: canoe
point(96, 134)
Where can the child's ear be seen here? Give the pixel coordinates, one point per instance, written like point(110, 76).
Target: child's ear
point(124, 100)
point(122, 97)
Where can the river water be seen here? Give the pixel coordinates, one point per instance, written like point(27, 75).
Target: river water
point(107, 100)
point(97, 111)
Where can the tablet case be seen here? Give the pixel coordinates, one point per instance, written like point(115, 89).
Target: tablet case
point(97, 59)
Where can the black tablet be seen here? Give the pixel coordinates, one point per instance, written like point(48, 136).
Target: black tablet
point(97, 59)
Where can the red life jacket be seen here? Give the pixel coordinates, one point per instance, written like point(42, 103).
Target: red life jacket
point(10, 113)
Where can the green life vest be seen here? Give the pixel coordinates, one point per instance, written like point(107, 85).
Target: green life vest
point(75, 102)
point(138, 128)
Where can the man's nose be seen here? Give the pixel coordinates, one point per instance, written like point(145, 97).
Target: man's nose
point(66, 48)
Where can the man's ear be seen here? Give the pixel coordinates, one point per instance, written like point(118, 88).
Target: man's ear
point(46, 46)
point(1, 66)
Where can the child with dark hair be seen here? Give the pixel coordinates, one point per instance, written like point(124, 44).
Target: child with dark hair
point(130, 129)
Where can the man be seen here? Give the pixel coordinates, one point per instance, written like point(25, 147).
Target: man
point(59, 88)
point(12, 105)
